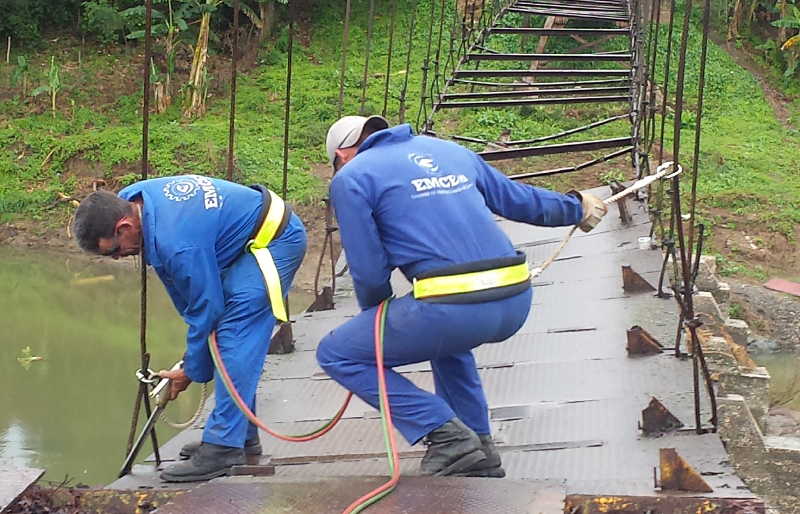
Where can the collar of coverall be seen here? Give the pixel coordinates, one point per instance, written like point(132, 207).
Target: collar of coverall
point(390, 135)
point(147, 223)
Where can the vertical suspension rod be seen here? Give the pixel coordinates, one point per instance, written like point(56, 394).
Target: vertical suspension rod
point(232, 113)
point(392, 17)
point(365, 78)
point(343, 67)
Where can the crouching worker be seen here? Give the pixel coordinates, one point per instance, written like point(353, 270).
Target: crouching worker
point(426, 206)
point(227, 255)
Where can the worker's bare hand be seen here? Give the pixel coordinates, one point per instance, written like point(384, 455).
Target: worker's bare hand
point(178, 381)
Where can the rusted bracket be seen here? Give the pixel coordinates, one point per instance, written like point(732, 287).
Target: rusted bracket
point(283, 340)
point(640, 342)
point(587, 504)
point(622, 203)
point(657, 420)
point(323, 301)
point(632, 282)
point(678, 475)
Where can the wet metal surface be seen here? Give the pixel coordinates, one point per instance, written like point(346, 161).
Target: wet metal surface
point(565, 399)
point(14, 481)
point(412, 495)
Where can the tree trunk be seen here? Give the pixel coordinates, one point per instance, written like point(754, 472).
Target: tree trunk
point(782, 30)
point(267, 14)
point(196, 103)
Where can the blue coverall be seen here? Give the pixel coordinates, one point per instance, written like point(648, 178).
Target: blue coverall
point(195, 230)
point(418, 204)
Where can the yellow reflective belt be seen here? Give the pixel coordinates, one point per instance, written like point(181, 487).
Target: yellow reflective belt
point(471, 282)
point(258, 247)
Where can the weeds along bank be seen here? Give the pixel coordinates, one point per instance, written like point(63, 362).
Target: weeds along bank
point(748, 181)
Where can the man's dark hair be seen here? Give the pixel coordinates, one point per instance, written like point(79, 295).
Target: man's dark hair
point(96, 218)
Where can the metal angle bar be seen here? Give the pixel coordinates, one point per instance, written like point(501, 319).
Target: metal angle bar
point(568, 14)
point(569, 169)
point(542, 73)
point(535, 92)
point(545, 138)
point(568, 132)
point(560, 31)
point(543, 84)
point(575, 8)
point(581, 146)
point(597, 3)
point(594, 5)
point(535, 101)
point(548, 57)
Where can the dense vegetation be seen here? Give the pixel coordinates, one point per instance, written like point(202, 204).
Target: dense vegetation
point(70, 102)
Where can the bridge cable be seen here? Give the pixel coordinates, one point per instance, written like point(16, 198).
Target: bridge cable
point(409, 47)
point(142, 398)
point(687, 290)
point(232, 111)
point(660, 190)
point(392, 17)
point(343, 66)
point(365, 78)
point(423, 92)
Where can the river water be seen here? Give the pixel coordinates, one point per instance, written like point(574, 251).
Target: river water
point(70, 411)
point(784, 372)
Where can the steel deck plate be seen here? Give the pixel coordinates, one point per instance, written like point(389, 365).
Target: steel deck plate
point(565, 399)
point(413, 494)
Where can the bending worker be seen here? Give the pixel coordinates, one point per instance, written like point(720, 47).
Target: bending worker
point(227, 255)
point(425, 206)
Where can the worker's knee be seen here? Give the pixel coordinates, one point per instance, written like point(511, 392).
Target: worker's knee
point(326, 357)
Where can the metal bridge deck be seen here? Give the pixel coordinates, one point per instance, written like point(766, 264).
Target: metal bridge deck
point(565, 399)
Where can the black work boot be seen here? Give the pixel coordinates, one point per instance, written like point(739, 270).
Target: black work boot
point(208, 461)
point(252, 447)
point(452, 448)
point(492, 467)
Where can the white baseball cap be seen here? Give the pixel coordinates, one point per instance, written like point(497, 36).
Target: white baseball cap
point(346, 132)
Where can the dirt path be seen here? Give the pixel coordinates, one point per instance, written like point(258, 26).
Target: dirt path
point(776, 98)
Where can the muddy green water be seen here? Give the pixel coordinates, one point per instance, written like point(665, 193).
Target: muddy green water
point(70, 412)
point(784, 372)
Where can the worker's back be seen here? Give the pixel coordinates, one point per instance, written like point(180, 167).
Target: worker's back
point(432, 202)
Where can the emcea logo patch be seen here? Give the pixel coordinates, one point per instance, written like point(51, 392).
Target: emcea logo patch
point(185, 188)
point(436, 184)
point(425, 162)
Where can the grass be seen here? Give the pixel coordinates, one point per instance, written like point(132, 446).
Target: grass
point(748, 159)
point(36, 150)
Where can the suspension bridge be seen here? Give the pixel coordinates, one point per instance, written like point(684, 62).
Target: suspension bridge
point(590, 411)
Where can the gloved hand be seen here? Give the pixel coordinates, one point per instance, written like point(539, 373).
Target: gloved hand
point(593, 210)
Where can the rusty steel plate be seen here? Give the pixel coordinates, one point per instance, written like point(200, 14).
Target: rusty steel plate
point(413, 494)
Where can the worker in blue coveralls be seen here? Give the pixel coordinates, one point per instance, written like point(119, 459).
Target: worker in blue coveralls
point(426, 206)
point(227, 255)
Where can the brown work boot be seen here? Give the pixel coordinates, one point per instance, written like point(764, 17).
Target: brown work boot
point(252, 447)
point(453, 448)
point(492, 467)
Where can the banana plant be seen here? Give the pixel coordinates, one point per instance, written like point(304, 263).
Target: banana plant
point(21, 74)
point(168, 27)
point(790, 20)
point(53, 85)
